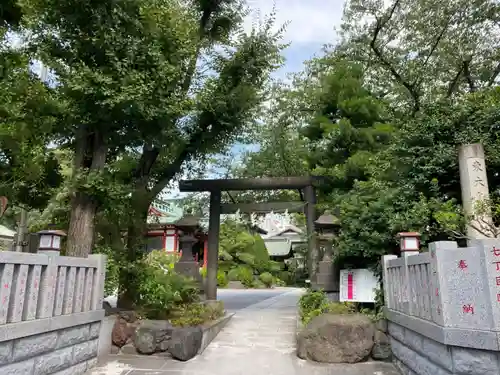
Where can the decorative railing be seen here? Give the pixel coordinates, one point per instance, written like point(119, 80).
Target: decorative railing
point(450, 286)
point(38, 286)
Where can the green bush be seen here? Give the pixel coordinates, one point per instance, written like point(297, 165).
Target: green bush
point(222, 279)
point(233, 274)
point(159, 292)
point(162, 260)
point(203, 272)
point(274, 267)
point(239, 247)
point(315, 303)
point(245, 276)
point(246, 258)
point(257, 284)
point(278, 282)
point(267, 279)
point(285, 276)
point(196, 314)
point(260, 253)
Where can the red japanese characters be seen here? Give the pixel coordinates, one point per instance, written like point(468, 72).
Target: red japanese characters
point(468, 309)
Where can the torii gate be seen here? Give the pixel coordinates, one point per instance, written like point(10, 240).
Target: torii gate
point(217, 186)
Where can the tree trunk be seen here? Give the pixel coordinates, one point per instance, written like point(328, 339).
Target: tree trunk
point(81, 226)
point(136, 231)
point(90, 154)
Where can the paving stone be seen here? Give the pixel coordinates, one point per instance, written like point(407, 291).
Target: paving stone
point(259, 339)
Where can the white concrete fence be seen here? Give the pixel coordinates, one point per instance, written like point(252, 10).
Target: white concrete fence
point(50, 312)
point(450, 286)
point(443, 308)
point(36, 286)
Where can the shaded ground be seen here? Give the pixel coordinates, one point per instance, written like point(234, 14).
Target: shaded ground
point(260, 339)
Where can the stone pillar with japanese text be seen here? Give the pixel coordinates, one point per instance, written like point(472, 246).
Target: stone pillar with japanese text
point(474, 186)
point(490, 258)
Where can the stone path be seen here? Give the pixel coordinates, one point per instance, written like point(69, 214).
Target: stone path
point(259, 339)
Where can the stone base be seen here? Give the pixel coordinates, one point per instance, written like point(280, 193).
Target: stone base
point(189, 269)
point(67, 351)
point(326, 283)
point(333, 296)
point(327, 279)
point(417, 354)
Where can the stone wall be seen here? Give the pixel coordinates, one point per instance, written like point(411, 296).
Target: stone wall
point(415, 354)
point(68, 351)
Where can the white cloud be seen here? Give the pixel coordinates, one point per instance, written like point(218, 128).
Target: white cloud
point(311, 21)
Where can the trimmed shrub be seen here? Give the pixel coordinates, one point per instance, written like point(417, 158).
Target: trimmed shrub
point(267, 279)
point(222, 279)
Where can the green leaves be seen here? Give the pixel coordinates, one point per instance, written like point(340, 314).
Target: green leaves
point(29, 170)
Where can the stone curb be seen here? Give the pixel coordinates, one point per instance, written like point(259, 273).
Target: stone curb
point(211, 331)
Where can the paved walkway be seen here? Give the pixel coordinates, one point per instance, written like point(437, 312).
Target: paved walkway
point(259, 339)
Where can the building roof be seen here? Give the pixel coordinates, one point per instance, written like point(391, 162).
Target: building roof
point(6, 232)
point(288, 228)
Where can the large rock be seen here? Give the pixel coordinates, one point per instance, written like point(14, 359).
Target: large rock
point(332, 338)
point(382, 349)
point(128, 316)
point(186, 342)
point(153, 336)
point(120, 333)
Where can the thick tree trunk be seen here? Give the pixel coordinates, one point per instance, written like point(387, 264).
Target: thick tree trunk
point(90, 154)
point(81, 228)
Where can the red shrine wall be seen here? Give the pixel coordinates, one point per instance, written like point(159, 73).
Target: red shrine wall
point(170, 241)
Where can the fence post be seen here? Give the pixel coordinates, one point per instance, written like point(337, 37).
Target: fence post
point(438, 281)
point(48, 283)
point(98, 284)
point(409, 245)
point(386, 281)
point(490, 252)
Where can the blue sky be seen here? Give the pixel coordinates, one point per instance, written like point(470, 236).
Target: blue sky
point(311, 25)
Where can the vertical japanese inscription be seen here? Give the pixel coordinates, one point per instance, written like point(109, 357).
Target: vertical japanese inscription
point(496, 262)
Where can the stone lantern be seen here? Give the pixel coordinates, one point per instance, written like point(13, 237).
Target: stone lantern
point(50, 242)
point(327, 227)
point(187, 227)
point(327, 277)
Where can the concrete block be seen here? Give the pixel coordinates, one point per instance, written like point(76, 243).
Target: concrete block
point(396, 331)
point(85, 351)
point(405, 370)
point(104, 335)
point(381, 325)
point(91, 363)
point(424, 366)
point(31, 346)
point(414, 340)
point(405, 355)
point(414, 361)
point(73, 336)
point(475, 362)
point(52, 362)
point(94, 330)
point(20, 368)
point(437, 353)
point(6, 352)
point(78, 369)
